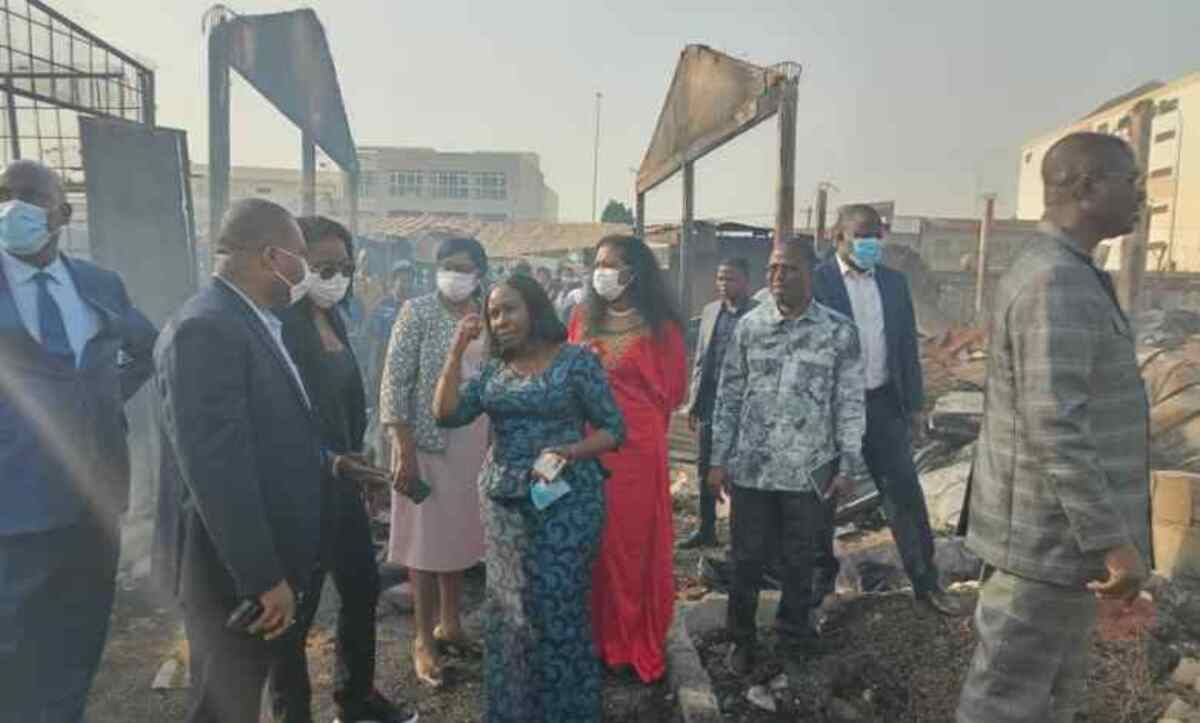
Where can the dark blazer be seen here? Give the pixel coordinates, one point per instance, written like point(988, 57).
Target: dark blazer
point(899, 325)
point(62, 429)
point(241, 479)
point(303, 342)
point(698, 396)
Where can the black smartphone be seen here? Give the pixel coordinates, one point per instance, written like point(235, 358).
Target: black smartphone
point(247, 611)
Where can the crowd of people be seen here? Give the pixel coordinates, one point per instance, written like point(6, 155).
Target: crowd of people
point(526, 425)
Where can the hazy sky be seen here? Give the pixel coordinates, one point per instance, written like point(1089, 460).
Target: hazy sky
point(922, 101)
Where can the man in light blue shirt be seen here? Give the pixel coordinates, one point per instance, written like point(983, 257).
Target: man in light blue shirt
point(82, 321)
point(73, 349)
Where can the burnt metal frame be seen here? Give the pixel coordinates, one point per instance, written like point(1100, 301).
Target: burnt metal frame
point(50, 64)
point(218, 22)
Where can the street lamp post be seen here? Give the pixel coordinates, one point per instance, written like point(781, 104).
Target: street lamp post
point(596, 156)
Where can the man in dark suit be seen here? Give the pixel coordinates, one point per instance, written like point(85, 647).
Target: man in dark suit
point(716, 329)
point(244, 475)
point(855, 283)
point(73, 349)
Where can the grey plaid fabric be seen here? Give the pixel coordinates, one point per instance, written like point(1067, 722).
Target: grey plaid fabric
point(791, 399)
point(1031, 660)
point(1061, 465)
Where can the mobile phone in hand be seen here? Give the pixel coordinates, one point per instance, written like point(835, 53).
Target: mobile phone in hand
point(549, 465)
point(247, 611)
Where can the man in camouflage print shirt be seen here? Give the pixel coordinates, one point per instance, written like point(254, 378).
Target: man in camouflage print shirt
point(787, 432)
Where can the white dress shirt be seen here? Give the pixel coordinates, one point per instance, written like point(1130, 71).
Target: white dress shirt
point(867, 305)
point(82, 322)
point(275, 329)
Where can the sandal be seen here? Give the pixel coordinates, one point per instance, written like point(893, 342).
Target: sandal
point(459, 645)
point(426, 667)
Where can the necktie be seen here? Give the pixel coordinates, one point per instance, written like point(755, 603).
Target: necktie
point(50, 322)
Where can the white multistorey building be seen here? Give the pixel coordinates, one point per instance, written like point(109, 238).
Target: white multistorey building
point(485, 186)
point(1173, 176)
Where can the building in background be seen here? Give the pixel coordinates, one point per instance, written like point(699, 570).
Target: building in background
point(281, 185)
point(1173, 182)
point(485, 186)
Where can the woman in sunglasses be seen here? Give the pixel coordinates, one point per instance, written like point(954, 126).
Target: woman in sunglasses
point(314, 333)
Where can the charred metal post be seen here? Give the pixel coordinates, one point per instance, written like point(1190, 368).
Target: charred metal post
point(822, 209)
point(1133, 247)
point(352, 180)
point(218, 125)
point(308, 174)
point(640, 215)
point(13, 133)
point(686, 233)
point(149, 111)
point(785, 195)
point(981, 260)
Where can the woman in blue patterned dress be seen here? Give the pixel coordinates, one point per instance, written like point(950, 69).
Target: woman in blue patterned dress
point(539, 393)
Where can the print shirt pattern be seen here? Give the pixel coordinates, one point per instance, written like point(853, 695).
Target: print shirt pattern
point(791, 399)
point(421, 340)
point(531, 413)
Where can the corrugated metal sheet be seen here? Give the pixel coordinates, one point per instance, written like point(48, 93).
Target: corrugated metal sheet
point(286, 57)
point(712, 98)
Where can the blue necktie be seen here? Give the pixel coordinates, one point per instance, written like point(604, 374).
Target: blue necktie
point(50, 322)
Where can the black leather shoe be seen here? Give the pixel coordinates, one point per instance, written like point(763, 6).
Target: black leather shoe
point(699, 540)
point(943, 603)
point(375, 709)
point(740, 659)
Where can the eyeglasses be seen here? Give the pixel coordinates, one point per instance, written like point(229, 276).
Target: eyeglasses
point(328, 270)
point(1135, 178)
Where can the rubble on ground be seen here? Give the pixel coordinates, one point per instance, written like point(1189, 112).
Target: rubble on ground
point(881, 657)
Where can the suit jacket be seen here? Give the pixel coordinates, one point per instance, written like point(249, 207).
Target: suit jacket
point(899, 326)
point(699, 394)
point(303, 342)
point(1061, 466)
point(241, 479)
point(62, 428)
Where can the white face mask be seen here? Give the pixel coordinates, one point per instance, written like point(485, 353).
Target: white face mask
point(298, 290)
point(327, 292)
point(455, 285)
point(607, 283)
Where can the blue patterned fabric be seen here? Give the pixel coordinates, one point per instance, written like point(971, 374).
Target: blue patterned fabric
point(529, 414)
point(541, 662)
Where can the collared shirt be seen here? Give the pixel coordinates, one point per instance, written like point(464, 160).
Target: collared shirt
point(275, 329)
point(80, 319)
point(791, 399)
point(727, 319)
point(867, 305)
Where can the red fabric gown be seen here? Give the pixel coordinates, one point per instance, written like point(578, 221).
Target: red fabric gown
point(633, 588)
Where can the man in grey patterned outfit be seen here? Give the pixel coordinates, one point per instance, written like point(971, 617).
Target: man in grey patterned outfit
point(1059, 507)
point(787, 430)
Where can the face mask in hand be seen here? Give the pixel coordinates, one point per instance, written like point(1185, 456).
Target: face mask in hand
point(298, 290)
point(866, 252)
point(24, 228)
point(607, 283)
point(544, 494)
point(455, 285)
point(327, 292)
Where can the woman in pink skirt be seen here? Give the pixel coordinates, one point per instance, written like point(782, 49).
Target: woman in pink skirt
point(441, 536)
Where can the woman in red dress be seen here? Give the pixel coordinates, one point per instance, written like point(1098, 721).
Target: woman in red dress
point(629, 317)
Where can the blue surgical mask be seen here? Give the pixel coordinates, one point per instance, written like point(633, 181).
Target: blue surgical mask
point(24, 228)
point(544, 494)
point(866, 252)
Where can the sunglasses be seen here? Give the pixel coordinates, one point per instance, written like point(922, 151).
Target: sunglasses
point(328, 270)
